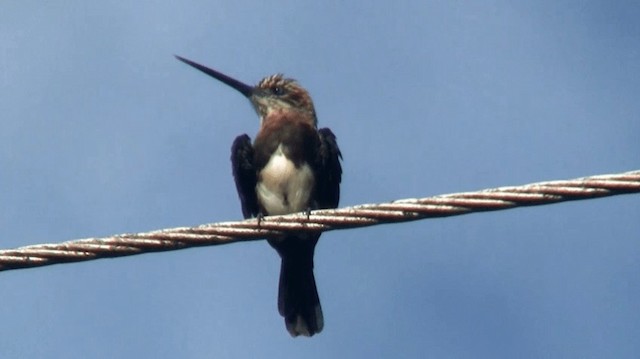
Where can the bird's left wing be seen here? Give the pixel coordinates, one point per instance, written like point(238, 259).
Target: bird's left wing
point(330, 171)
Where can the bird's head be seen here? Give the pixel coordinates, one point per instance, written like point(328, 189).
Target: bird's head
point(272, 94)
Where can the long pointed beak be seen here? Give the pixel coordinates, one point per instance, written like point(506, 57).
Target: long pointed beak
point(243, 88)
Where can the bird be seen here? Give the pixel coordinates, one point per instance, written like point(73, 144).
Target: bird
point(292, 166)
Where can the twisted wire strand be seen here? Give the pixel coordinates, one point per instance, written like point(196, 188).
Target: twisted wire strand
point(322, 220)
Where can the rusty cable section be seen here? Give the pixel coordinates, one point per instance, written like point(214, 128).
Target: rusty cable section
point(321, 220)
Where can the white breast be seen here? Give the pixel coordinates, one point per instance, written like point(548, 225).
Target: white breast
point(282, 188)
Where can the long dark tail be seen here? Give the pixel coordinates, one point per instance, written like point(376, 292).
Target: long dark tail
point(298, 300)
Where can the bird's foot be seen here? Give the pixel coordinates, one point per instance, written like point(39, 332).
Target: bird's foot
point(260, 217)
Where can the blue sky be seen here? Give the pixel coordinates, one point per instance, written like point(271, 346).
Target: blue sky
point(104, 132)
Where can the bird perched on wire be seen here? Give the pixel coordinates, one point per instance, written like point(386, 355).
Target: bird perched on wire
point(292, 166)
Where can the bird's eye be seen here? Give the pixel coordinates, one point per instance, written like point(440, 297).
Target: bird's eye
point(278, 90)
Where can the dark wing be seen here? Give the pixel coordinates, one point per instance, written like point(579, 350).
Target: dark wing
point(244, 174)
point(329, 171)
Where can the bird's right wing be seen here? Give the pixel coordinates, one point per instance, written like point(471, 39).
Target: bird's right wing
point(244, 174)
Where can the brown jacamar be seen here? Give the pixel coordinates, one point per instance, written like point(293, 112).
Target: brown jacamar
point(291, 167)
